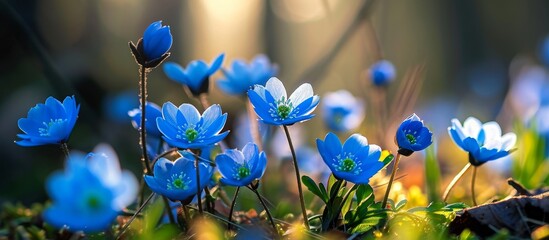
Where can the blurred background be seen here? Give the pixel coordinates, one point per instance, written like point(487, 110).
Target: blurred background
point(470, 54)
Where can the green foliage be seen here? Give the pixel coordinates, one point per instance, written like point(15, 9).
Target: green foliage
point(432, 174)
point(530, 168)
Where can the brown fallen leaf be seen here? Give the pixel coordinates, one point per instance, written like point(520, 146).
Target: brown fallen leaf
point(520, 215)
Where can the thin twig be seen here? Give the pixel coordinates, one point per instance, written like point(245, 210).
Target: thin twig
point(318, 68)
point(125, 227)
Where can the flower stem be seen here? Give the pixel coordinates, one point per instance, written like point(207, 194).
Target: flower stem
point(266, 209)
point(169, 210)
point(65, 149)
point(232, 208)
point(395, 168)
point(298, 178)
point(473, 186)
point(454, 181)
point(142, 129)
point(198, 189)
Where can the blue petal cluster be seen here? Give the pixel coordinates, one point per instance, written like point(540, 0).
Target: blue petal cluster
point(240, 168)
point(153, 112)
point(412, 135)
point(48, 123)
point(91, 191)
point(196, 75)
point(483, 142)
point(341, 111)
point(242, 76)
point(157, 40)
point(382, 73)
point(184, 127)
point(177, 180)
point(273, 107)
point(354, 161)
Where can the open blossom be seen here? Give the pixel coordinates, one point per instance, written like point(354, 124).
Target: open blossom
point(341, 111)
point(177, 180)
point(483, 142)
point(184, 127)
point(242, 76)
point(196, 75)
point(274, 107)
point(48, 123)
point(355, 161)
point(90, 193)
point(240, 168)
point(412, 135)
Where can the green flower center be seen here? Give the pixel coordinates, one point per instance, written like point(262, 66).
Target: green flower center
point(283, 111)
point(347, 165)
point(242, 172)
point(411, 138)
point(45, 131)
point(93, 202)
point(178, 182)
point(191, 134)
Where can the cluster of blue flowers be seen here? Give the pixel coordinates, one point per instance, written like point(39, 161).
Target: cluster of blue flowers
point(92, 190)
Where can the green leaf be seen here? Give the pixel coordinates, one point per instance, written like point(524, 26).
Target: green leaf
point(435, 206)
point(388, 159)
point(323, 190)
point(368, 224)
point(363, 192)
point(153, 213)
point(456, 206)
point(312, 187)
point(400, 204)
point(331, 181)
point(432, 174)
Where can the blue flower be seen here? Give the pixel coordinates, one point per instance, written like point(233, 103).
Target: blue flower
point(91, 191)
point(483, 142)
point(157, 40)
point(153, 111)
point(49, 123)
point(242, 76)
point(354, 161)
point(413, 136)
point(341, 111)
point(274, 107)
point(177, 180)
point(382, 73)
point(240, 168)
point(183, 127)
point(196, 75)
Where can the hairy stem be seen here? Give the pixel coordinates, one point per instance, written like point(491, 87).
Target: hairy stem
point(454, 181)
point(395, 168)
point(298, 178)
point(142, 129)
point(232, 208)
